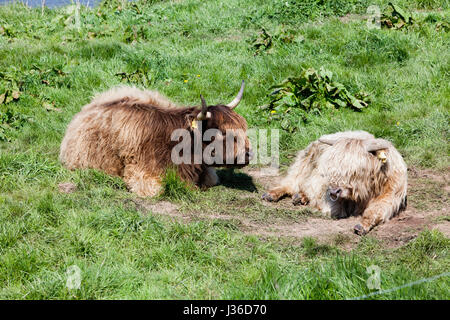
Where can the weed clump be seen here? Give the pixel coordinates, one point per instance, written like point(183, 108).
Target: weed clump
point(395, 17)
point(312, 92)
point(264, 41)
point(10, 92)
point(9, 120)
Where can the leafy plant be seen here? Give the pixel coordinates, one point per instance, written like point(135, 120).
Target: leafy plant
point(396, 17)
point(10, 80)
point(9, 95)
point(311, 92)
point(443, 26)
point(264, 41)
point(11, 89)
point(133, 34)
point(50, 76)
point(9, 120)
point(7, 31)
point(139, 77)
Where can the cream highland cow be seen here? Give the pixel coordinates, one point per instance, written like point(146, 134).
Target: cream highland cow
point(348, 173)
point(128, 132)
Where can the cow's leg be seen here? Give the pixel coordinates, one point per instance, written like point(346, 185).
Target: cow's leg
point(379, 210)
point(141, 182)
point(277, 193)
point(299, 171)
point(287, 187)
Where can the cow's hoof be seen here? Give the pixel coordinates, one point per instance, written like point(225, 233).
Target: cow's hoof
point(299, 198)
point(266, 196)
point(359, 230)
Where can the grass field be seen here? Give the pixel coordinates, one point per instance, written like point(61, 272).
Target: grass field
point(222, 243)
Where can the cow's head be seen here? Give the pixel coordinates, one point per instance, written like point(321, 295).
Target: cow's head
point(224, 133)
point(354, 168)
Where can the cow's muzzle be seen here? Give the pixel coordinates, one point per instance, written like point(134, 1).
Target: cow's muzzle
point(334, 193)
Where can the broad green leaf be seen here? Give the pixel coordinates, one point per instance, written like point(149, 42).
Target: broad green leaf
point(311, 92)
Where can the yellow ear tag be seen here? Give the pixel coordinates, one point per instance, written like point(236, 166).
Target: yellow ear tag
point(382, 156)
point(194, 124)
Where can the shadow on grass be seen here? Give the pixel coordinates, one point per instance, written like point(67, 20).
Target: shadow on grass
point(236, 180)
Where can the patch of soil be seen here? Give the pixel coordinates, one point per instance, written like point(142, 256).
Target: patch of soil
point(428, 199)
point(427, 189)
point(165, 208)
point(264, 177)
point(442, 177)
point(67, 187)
point(406, 226)
point(351, 17)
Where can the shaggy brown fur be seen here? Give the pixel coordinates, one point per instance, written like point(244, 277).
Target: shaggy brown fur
point(127, 132)
point(348, 173)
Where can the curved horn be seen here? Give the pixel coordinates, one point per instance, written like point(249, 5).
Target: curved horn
point(204, 114)
point(233, 104)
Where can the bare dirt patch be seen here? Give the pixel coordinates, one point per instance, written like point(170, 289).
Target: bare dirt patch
point(428, 201)
point(165, 208)
point(352, 17)
point(67, 187)
point(442, 177)
point(428, 207)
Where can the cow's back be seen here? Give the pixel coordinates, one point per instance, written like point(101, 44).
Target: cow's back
point(114, 129)
point(89, 142)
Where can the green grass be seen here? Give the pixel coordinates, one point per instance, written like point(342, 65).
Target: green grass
point(175, 189)
point(123, 253)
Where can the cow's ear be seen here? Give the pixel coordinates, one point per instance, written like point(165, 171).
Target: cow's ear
point(373, 145)
point(328, 140)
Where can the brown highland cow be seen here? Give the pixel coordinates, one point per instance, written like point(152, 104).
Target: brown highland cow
point(348, 173)
point(127, 132)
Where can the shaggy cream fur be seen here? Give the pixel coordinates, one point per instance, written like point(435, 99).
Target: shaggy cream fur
point(369, 183)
